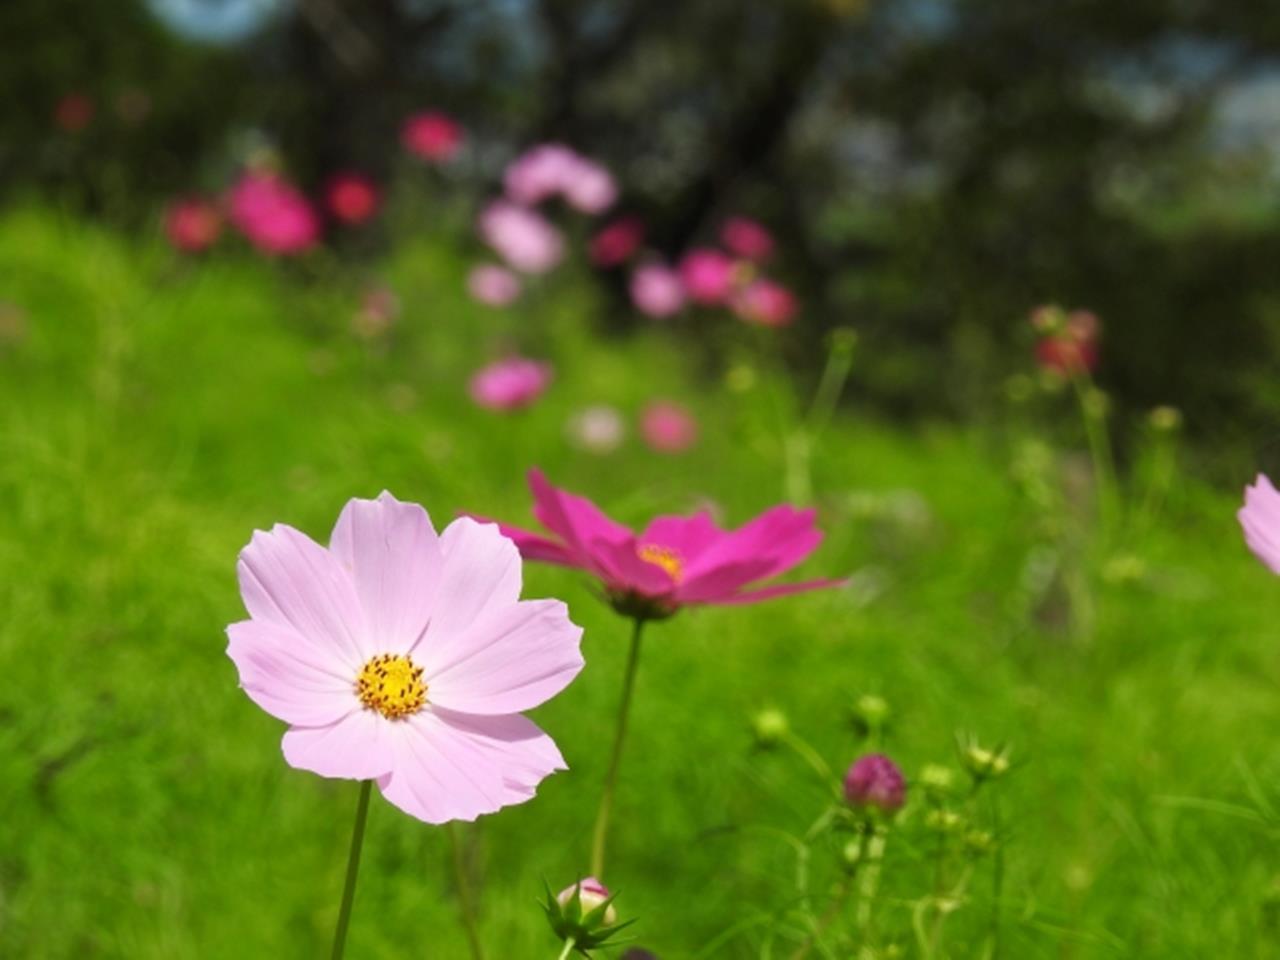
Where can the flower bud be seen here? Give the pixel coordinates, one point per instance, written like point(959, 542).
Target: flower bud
point(870, 714)
point(591, 894)
point(769, 727)
point(981, 762)
point(585, 913)
point(874, 781)
point(942, 820)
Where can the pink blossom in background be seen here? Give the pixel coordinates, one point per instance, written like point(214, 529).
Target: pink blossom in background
point(432, 136)
point(73, 112)
point(274, 216)
point(616, 242)
point(493, 285)
point(192, 225)
point(597, 429)
point(707, 275)
point(765, 303)
point(1260, 520)
point(668, 427)
point(404, 656)
point(675, 561)
point(656, 290)
point(874, 781)
point(351, 198)
point(522, 237)
point(510, 384)
point(1069, 344)
point(747, 239)
point(379, 310)
point(591, 188)
point(540, 173)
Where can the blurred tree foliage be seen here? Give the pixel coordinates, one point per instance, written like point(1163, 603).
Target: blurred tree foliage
point(934, 168)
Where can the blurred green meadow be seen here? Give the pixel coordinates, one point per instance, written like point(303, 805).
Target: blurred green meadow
point(154, 412)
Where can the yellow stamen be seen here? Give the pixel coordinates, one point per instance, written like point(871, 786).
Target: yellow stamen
point(664, 557)
point(392, 685)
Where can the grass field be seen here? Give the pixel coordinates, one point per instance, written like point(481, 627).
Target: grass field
point(156, 412)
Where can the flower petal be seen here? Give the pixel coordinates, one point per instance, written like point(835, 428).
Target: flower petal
point(456, 767)
point(360, 746)
point(577, 520)
point(533, 546)
point(771, 544)
point(781, 590)
point(687, 536)
point(293, 680)
point(1260, 519)
point(511, 660)
point(480, 572)
point(288, 579)
point(393, 556)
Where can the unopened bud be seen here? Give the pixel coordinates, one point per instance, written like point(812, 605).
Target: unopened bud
point(870, 714)
point(769, 727)
point(942, 820)
point(591, 894)
point(981, 762)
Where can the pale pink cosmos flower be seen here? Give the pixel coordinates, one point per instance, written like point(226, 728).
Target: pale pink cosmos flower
point(1260, 519)
point(510, 384)
point(522, 237)
point(351, 197)
point(432, 136)
point(591, 187)
point(597, 429)
point(192, 225)
point(404, 657)
point(553, 169)
point(668, 427)
point(656, 290)
point(615, 242)
point(274, 216)
point(493, 285)
point(747, 239)
point(765, 303)
point(674, 561)
point(708, 276)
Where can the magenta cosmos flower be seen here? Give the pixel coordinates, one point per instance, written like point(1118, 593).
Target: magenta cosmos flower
point(766, 304)
point(708, 276)
point(747, 239)
point(1260, 518)
point(615, 242)
point(274, 216)
point(351, 197)
point(405, 657)
point(522, 237)
point(432, 136)
point(674, 561)
point(510, 384)
point(192, 225)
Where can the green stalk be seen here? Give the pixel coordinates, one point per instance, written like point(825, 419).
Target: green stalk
point(353, 870)
point(600, 835)
point(568, 949)
point(464, 894)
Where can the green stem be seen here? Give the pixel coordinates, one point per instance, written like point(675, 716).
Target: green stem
point(600, 835)
point(353, 870)
point(997, 877)
point(568, 949)
point(874, 852)
point(464, 893)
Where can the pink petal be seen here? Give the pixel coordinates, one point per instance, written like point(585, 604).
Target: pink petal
point(511, 660)
point(621, 566)
point(288, 579)
point(720, 583)
point(533, 546)
point(687, 536)
point(782, 536)
point(393, 556)
point(291, 679)
point(360, 746)
point(781, 590)
point(577, 520)
point(1260, 519)
point(480, 574)
point(457, 767)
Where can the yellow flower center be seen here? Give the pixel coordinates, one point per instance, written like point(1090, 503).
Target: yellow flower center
point(392, 685)
point(664, 557)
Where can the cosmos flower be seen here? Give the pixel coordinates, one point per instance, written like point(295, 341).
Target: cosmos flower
point(765, 303)
point(493, 285)
point(591, 189)
point(708, 276)
point(510, 384)
point(553, 169)
point(522, 237)
point(668, 427)
point(675, 561)
point(597, 429)
point(274, 216)
point(1260, 519)
point(1069, 341)
point(615, 243)
point(432, 136)
point(404, 657)
point(192, 224)
point(656, 290)
point(747, 239)
point(351, 198)
point(874, 781)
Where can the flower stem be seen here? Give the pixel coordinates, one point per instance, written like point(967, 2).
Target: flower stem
point(464, 894)
point(997, 878)
point(353, 870)
point(568, 949)
point(600, 835)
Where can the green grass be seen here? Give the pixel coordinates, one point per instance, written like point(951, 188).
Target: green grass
point(157, 412)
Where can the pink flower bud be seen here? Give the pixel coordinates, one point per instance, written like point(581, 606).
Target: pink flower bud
point(591, 893)
point(875, 781)
point(351, 198)
point(432, 136)
point(747, 239)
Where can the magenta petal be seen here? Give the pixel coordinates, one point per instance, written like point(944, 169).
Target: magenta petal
point(781, 537)
point(456, 767)
point(577, 520)
point(722, 582)
point(621, 566)
point(1260, 519)
point(288, 579)
point(291, 679)
point(360, 746)
point(535, 547)
point(781, 590)
point(687, 536)
point(393, 556)
point(480, 573)
point(508, 661)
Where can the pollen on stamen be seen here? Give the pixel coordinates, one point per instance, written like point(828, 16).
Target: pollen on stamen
point(664, 557)
point(392, 684)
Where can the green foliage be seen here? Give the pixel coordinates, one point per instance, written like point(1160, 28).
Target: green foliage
point(155, 412)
